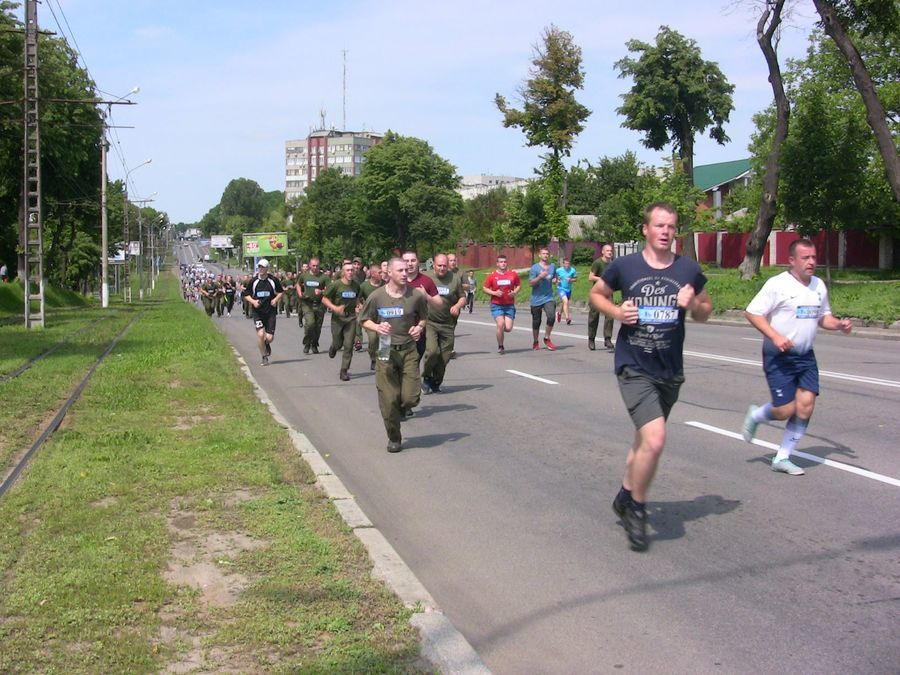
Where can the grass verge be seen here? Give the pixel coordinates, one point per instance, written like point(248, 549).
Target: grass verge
point(170, 524)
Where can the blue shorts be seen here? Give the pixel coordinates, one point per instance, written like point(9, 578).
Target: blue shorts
point(503, 310)
point(565, 293)
point(787, 371)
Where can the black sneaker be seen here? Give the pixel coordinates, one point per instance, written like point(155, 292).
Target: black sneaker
point(372, 365)
point(393, 446)
point(306, 349)
point(635, 523)
point(315, 349)
point(436, 388)
point(608, 344)
point(265, 360)
point(500, 349)
point(619, 505)
point(332, 350)
point(407, 413)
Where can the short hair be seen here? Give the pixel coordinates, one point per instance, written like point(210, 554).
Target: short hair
point(792, 249)
point(663, 206)
point(565, 260)
point(396, 259)
point(409, 253)
point(502, 255)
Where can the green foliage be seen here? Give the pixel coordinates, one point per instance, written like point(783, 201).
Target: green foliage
point(525, 219)
point(675, 94)
point(408, 196)
point(481, 215)
point(583, 255)
point(678, 190)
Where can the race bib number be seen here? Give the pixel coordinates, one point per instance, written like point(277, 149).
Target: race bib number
point(808, 312)
point(390, 312)
point(348, 294)
point(657, 315)
point(504, 282)
point(258, 324)
point(443, 290)
point(262, 294)
point(312, 284)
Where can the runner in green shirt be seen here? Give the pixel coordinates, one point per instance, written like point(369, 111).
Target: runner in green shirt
point(341, 297)
point(439, 333)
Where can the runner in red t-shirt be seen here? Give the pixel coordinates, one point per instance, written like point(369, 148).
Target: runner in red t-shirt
point(414, 279)
point(502, 285)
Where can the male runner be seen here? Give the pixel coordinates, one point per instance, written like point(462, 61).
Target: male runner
point(469, 286)
point(600, 264)
point(365, 290)
point(396, 312)
point(502, 285)
point(417, 280)
point(439, 332)
point(341, 297)
point(263, 293)
point(541, 277)
point(787, 311)
point(565, 276)
point(310, 287)
point(658, 289)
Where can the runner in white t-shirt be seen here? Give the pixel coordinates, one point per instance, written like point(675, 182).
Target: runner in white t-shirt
point(787, 311)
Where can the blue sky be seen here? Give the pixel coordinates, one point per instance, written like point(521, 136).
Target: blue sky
point(225, 83)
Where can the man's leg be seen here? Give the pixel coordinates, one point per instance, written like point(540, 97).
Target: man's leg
point(431, 357)
point(319, 314)
point(535, 325)
point(550, 312)
point(308, 323)
point(593, 322)
point(501, 328)
point(373, 347)
point(411, 382)
point(643, 458)
point(446, 342)
point(388, 375)
point(607, 332)
point(348, 332)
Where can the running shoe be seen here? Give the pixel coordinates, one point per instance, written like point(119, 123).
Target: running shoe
point(408, 412)
point(501, 349)
point(393, 446)
point(568, 322)
point(332, 350)
point(535, 346)
point(635, 523)
point(619, 505)
point(345, 376)
point(788, 467)
point(436, 388)
point(748, 430)
point(372, 364)
point(549, 344)
point(265, 360)
point(426, 386)
point(592, 345)
point(608, 344)
point(315, 349)
point(559, 316)
point(306, 349)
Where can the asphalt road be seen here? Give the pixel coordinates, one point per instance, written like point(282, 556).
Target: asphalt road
point(500, 503)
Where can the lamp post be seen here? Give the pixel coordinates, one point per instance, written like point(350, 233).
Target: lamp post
point(127, 282)
point(104, 233)
point(141, 245)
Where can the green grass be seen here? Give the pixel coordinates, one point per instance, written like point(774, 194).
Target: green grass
point(169, 431)
point(869, 295)
point(12, 299)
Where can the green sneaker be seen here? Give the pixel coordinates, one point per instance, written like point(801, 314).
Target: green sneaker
point(748, 430)
point(788, 467)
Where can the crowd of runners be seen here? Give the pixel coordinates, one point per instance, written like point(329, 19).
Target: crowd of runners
point(409, 318)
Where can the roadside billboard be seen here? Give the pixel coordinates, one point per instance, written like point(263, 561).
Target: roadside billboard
point(134, 248)
point(221, 241)
point(265, 244)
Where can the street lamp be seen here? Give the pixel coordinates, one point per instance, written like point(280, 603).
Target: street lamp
point(127, 282)
point(141, 244)
point(104, 234)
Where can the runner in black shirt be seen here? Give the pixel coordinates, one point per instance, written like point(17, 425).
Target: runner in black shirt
point(262, 293)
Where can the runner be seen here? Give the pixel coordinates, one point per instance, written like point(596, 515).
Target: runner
point(365, 290)
point(542, 277)
point(208, 294)
point(310, 287)
point(600, 264)
point(397, 313)
point(341, 297)
point(263, 293)
point(469, 286)
point(417, 280)
point(787, 311)
point(502, 285)
point(439, 332)
point(230, 292)
point(658, 289)
point(565, 276)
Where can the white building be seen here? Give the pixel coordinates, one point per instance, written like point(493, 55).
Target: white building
point(472, 186)
point(305, 158)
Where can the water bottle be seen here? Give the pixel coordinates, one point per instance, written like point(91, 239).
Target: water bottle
point(384, 347)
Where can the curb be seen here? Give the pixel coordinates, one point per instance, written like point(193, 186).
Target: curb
point(443, 646)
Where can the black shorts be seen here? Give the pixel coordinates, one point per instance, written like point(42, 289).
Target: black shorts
point(647, 397)
point(265, 321)
point(548, 309)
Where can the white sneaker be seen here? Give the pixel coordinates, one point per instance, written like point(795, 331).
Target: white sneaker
point(788, 467)
point(748, 430)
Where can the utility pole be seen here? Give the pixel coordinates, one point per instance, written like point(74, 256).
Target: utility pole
point(344, 120)
point(104, 236)
point(32, 229)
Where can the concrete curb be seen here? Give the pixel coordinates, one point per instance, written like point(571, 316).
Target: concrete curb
point(443, 646)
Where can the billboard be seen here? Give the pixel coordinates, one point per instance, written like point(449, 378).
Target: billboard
point(221, 241)
point(265, 244)
point(134, 248)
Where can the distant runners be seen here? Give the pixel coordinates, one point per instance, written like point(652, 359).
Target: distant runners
point(658, 289)
point(787, 311)
point(397, 313)
point(439, 331)
point(341, 297)
point(262, 294)
point(600, 264)
point(502, 285)
point(310, 287)
point(365, 290)
point(542, 277)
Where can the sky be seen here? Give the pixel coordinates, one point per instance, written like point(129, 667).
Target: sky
point(223, 84)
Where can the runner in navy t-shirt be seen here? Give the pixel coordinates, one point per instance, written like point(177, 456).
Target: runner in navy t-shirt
point(658, 288)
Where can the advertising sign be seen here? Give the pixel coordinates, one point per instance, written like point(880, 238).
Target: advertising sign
point(265, 244)
point(221, 241)
point(134, 248)
point(118, 258)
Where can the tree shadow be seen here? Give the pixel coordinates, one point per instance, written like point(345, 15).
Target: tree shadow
point(668, 518)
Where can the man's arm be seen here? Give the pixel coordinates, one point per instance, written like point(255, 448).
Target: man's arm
point(831, 322)
point(601, 299)
point(761, 323)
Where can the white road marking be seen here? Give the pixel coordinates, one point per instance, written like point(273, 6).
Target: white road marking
point(812, 458)
point(756, 363)
point(753, 339)
point(531, 377)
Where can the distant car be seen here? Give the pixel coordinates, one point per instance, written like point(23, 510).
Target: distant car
point(206, 257)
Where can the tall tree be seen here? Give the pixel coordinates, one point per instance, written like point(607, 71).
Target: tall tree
point(408, 193)
point(766, 32)
point(873, 15)
point(333, 202)
point(550, 116)
point(675, 95)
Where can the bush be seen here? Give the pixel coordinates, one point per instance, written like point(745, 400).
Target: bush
point(583, 255)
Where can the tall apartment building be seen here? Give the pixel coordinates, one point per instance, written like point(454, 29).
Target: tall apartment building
point(305, 158)
point(473, 186)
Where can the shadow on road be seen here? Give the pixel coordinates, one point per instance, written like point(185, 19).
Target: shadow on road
point(668, 518)
point(432, 440)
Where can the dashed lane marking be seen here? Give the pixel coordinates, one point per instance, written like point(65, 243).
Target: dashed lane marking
point(805, 455)
point(531, 377)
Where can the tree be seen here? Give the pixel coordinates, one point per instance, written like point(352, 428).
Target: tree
point(243, 197)
point(481, 215)
point(882, 16)
point(550, 116)
point(333, 220)
point(526, 222)
point(675, 95)
point(766, 31)
point(407, 193)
